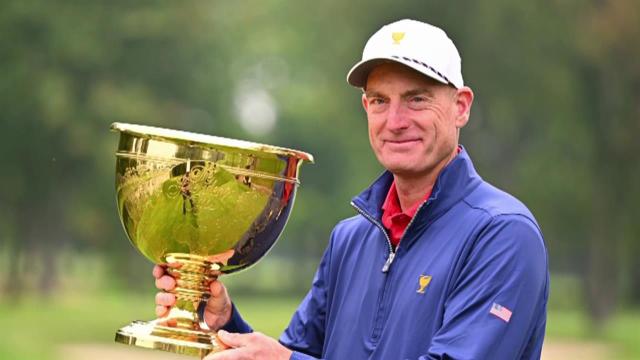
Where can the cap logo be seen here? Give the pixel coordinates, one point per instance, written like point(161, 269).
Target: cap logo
point(397, 37)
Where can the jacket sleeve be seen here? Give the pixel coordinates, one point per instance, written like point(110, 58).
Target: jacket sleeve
point(499, 299)
point(306, 331)
point(237, 324)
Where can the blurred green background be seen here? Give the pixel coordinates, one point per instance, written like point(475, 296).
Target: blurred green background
point(556, 122)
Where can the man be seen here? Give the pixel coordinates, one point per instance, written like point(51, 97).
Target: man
point(437, 263)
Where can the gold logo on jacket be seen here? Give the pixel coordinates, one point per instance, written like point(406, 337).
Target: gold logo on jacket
point(423, 282)
point(397, 37)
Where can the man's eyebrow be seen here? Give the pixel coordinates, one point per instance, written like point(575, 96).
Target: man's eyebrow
point(419, 91)
point(406, 94)
point(373, 93)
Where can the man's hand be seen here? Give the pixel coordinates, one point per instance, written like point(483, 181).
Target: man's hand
point(218, 310)
point(249, 347)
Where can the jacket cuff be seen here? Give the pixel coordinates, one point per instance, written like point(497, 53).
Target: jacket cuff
point(301, 356)
point(236, 324)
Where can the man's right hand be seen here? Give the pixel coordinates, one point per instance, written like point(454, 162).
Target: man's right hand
point(218, 310)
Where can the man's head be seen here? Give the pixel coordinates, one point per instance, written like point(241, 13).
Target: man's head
point(415, 107)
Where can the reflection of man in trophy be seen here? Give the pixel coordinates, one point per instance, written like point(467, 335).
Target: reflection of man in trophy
point(437, 263)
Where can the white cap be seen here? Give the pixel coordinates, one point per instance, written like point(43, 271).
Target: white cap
point(420, 46)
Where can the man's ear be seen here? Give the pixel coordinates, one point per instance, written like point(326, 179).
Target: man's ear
point(464, 100)
point(365, 104)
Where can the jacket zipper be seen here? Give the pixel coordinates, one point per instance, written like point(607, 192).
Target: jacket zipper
point(380, 318)
point(392, 254)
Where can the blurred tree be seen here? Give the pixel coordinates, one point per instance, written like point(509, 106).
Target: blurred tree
point(72, 68)
point(555, 121)
point(607, 32)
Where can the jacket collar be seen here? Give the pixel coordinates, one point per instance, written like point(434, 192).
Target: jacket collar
point(455, 182)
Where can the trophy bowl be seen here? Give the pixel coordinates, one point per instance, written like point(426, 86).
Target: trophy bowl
point(204, 206)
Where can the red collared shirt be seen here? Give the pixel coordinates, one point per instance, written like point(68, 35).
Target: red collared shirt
point(393, 218)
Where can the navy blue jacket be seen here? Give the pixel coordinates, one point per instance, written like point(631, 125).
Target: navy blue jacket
point(469, 280)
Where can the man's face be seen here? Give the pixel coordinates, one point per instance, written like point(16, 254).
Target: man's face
point(414, 121)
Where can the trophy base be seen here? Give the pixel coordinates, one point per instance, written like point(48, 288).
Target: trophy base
point(150, 335)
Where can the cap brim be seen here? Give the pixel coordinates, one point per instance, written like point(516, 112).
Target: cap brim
point(359, 73)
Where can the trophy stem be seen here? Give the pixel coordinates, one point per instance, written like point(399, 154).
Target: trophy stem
point(193, 274)
point(182, 331)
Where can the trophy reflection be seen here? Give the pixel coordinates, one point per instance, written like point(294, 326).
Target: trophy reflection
point(204, 206)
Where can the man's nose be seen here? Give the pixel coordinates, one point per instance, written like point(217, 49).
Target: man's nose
point(397, 117)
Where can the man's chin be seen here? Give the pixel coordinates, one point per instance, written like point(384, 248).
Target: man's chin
point(407, 170)
point(404, 171)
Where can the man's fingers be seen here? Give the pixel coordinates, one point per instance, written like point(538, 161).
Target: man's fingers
point(166, 282)
point(165, 299)
point(216, 289)
point(234, 340)
point(230, 354)
point(249, 346)
point(218, 310)
point(161, 310)
point(158, 271)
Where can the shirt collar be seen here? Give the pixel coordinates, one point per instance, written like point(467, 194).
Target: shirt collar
point(455, 181)
point(392, 206)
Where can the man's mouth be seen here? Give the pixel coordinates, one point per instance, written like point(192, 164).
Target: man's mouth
point(402, 141)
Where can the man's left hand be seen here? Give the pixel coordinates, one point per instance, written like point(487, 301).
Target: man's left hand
point(249, 347)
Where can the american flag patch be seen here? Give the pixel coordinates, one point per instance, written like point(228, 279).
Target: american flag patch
point(500, 311)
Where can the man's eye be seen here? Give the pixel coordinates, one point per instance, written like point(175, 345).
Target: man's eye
point(377, 101)
point(418, 102)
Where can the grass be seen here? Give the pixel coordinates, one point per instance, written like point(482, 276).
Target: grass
point(34, 328)
point(622, 331)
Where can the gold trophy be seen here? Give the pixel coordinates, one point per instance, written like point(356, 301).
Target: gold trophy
point(205, 206)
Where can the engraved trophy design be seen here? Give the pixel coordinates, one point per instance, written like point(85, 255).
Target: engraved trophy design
point(205, 206)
